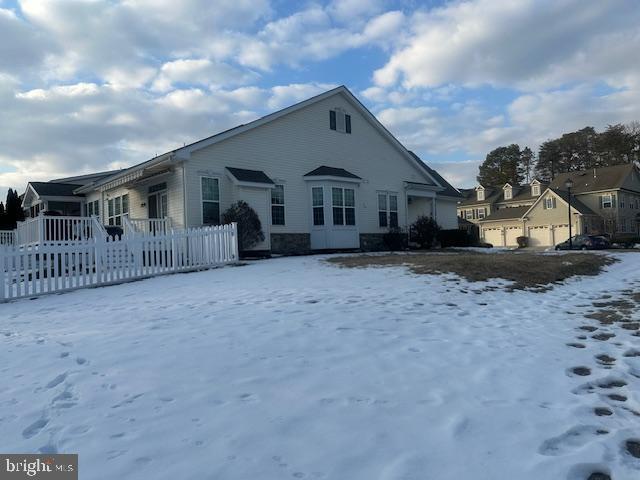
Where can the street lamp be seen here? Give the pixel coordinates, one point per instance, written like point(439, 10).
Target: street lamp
point(569, 185)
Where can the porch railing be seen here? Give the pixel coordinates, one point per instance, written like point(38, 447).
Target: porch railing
point(7, 237)
point(44, 229)
point(146, 226)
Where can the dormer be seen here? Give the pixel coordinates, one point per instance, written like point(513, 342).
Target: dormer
point(480, 193)
point(535, 188)
point(508, 191)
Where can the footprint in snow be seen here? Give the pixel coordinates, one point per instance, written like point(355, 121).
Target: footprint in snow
point(56, 381)
point(35, 428)
point(632, 446)
point(570, 440)
point(580, 371)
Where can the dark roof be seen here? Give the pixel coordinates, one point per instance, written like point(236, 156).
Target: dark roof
point(494, 194)
point(506, 213)
point(55, 189)
point(605, 178)
point(575, 203)
point(253, 176)
point(86, 178)
point(325, 171)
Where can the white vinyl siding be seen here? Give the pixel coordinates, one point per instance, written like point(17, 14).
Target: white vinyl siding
point(293, 145)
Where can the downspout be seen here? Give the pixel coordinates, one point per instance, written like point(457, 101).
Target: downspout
point(184, 197)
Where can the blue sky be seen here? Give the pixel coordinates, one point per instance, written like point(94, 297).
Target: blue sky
point(90, 85)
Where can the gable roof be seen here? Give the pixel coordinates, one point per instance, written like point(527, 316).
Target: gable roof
point(183, 153)
point(253, 176)
point(324, 171)
point(575, 203)
point(605, 178)
point(50, 189)
point(86, 178)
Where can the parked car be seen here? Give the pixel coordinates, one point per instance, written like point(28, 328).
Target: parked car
point(584, 242)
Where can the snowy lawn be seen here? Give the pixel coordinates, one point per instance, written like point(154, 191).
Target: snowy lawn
point(297, 368)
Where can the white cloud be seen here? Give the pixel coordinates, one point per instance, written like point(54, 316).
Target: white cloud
point(525, 43)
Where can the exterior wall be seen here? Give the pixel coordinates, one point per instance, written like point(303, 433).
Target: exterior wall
point(287, 148)
point(446, 214)
point(420, 206)
point(138, 201)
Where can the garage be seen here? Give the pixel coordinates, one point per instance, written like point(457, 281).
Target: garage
point(540, 236)
point(560, 233)
point(493, 236)
point(511, 236)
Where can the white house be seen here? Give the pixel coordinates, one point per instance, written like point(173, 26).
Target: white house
point(321, 174)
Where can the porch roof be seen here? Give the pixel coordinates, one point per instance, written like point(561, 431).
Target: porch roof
point(251, 176)
point(324, 171)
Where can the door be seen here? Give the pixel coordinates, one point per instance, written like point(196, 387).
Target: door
point(511, 235)
point(561, 233)
point(539, 236)
point(158, 204)
point(493, 236)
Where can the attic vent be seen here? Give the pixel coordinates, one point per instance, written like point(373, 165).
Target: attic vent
point(339, 121)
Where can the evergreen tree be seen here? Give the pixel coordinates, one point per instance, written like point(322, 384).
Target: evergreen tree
point(525, 166)
point(501, 166)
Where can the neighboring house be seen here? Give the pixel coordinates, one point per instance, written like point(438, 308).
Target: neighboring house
point(603, 200)
point(321, 174)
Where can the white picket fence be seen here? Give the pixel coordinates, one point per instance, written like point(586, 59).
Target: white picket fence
point(7, 237)
point(44, 229)
point(27, 271)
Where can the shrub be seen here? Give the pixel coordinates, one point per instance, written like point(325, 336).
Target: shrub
point(249, 227)
point(395, 239)
point(522, 241)
point(454, 238)
point(424, 231)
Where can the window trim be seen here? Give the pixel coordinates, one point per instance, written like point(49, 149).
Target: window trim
point(388, 211)
point(344, 207)
point(321, 207)
point(609, 201)
point(284, 219)
point(342, 124)
point(535, 190)
point(215, 177)
point(115, 215)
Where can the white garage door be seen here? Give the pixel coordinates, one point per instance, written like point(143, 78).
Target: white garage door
point(511, 235)
point(493, 236)
point(560, 233)
point(539, 236)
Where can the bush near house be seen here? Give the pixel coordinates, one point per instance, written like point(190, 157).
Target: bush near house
point(424, 231)
point(454, 238)
point(522, 241)
point(249, 227)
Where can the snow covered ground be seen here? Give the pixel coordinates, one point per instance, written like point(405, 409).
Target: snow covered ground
point(293, 368)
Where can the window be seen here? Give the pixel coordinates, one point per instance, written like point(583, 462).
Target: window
point(468, 214)
point(508, 193)
point(344, 206)
point(622, 200)
point(480, 213)
point(210, 201)
point(388, 210)
point(535, 190)
point(339, 121)
point(277, 205)
point(480, 195)
point(317, 200)
point(623, 224)
point(606, 201)
point(93, 208)
point(549, 203)
point(117, 207)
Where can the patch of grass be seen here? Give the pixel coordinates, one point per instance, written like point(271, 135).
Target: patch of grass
point(524, 269)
